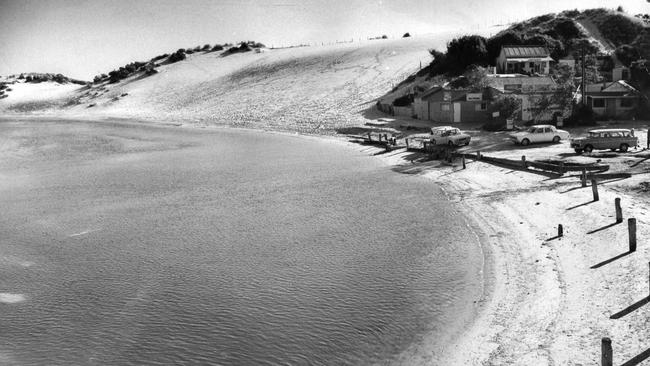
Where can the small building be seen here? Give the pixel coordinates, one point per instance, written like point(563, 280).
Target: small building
point(524, 60)
point(530, 90)
point(616, 99)
point(454, 105)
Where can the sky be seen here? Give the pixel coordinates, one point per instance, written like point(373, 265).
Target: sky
point(83, 38)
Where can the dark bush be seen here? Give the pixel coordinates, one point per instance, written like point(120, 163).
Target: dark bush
point(465, 51)
point(406, 35)
point(177, 56)
point(160, 57)
point(403, 101)
point(626, 54)
point(384, 37)
point(567, 28)
point(582, 115)
point(205, 47)
point(217, 47)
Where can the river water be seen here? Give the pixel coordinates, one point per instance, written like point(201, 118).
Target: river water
point(130, 244)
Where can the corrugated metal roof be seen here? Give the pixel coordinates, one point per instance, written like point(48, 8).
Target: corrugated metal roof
point(525, 51)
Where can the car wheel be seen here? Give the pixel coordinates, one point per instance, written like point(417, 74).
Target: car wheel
point(556, 139)
point(589, 148)
point(525, 142)
point(578, 151)
point(624, 147)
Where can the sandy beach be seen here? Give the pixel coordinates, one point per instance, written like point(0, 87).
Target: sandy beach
point(549, 300)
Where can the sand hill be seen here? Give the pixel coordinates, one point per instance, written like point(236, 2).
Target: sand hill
point(308, 89)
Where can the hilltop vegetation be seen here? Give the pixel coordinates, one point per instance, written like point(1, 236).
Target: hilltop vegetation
point(564, 34)
point(148, 68)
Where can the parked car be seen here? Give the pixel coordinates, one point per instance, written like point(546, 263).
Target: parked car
point(539, 133)
point(611, 138)
point(447, 135)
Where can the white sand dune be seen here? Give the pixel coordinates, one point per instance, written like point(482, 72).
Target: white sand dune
point(306, 89)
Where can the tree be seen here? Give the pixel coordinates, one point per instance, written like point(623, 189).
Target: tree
point(465, 51)
point(559, 99)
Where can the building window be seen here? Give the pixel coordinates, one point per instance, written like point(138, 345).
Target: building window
point(480, 106)
point(627, 103)
point(598, 103)
point(512, 86)
point(444, 107)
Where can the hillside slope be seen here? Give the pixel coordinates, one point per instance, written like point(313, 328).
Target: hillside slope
point(311, 89)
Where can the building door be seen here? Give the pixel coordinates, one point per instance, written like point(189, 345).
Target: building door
point(456, 112)
point(610, 104)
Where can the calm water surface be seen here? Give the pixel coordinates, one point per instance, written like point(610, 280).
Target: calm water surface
point(124, 244)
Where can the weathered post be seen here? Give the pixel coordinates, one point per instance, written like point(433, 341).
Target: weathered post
point(407, 143)
point(607, 356)
point(463, 161)
point(619, 211)
point(631, 229)
point(583, 177)
point(523, 161)
point(594, 189)
point(561, 168)
point(369, 137)
point(478, 155)
point(560, 231)
point(386, 137)
point(380, 138)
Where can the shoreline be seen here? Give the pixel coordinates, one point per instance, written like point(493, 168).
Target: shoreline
point(542, 304)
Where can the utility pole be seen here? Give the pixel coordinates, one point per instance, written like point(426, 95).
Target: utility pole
point(582, 86)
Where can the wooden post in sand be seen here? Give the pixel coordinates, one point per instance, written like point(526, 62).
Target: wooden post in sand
point(463, 161)
point(369, 137)
point(631, 229)
point(380, 138)
point(607, 356)
point(561, 168)
point(560, 231)
point(407, 143)
point(478, 155)
point(583, 177)
point(594, 189)
point(523, 161)
point(619, 211)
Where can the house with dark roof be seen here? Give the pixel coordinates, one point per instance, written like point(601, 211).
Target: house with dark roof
point(454, 105)
point(616, 99)
point(524, 60)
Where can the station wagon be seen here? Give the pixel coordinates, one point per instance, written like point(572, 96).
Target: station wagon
point(612, 138)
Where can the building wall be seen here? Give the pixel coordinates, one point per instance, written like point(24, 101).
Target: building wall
point(613, 107)
point(471, 112)
point(403, 111)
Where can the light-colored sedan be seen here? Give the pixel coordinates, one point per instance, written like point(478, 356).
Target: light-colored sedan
point(539, 133)
point(447, 135)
